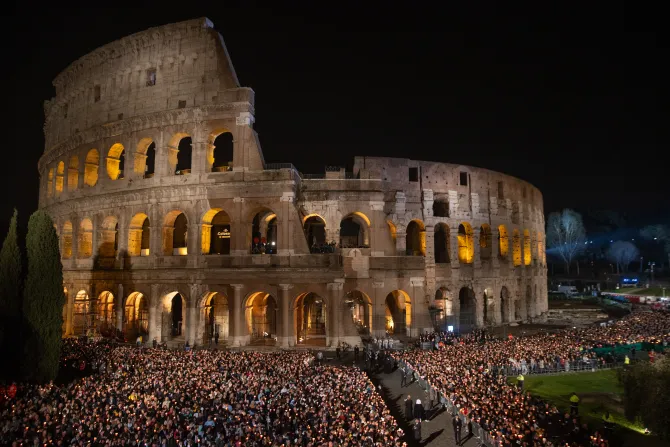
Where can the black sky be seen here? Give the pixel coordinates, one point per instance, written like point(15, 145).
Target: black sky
point(565, 101)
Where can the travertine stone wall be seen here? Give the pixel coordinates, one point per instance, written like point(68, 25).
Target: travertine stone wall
point(434, 247)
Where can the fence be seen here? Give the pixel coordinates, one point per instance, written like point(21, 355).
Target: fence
point(581, 366)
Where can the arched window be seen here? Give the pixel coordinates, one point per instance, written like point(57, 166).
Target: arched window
point(139, 235)
point(215, 232)
point(315, 233)
point(50, 183)
point(85, 236)
point(466, 244)
point(222, 152)
point(67, 240)
point(527, 253)
point(60, 171)
point(184, 152)
point(264, 233)
point(175, 234)
point(91, 167)
point(354, 231)
point(116, 161)
point(516, 248)
point(540, 247)
point(485, 241)
point(442, 244)
point(145, 158)
point(106, 313)
point(415, 239)
point(503, 242)
point(73, 173)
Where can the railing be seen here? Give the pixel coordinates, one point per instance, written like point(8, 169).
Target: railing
point(277, 166)
point(313, 176)
point(581, 366)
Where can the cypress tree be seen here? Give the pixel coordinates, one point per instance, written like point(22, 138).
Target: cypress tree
point(43, 300)
point(10, 297)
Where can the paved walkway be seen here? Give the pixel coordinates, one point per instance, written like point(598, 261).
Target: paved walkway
point(437, 430)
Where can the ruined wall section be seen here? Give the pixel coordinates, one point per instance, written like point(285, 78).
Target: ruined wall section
point(175, 66)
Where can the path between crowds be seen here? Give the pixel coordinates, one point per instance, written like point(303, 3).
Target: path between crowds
point(437, 430)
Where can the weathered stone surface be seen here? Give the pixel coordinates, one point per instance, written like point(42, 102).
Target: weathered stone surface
point(430, 238)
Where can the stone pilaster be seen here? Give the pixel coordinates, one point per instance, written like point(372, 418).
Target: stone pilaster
point(239, 244)
point(120, 306)
point(286, 338)
point(378, 310)
point(377, 228)
point(420, 317)
point(284, 239)
point(238, 334)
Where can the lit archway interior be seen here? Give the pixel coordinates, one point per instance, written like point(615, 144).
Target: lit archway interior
point(354, 231)
point(503, 242)
point(216, 234)
point(106, 313)
point(91, 167)
point(310, 318)
point(516, 248)
point(85, 239)
point(415, 239)
point(485, 241)
point(139, 235)
point(361, 310)
point(527, 252)
point(264, 233)
point(315, 231)
point(184, 156)
point(83, 315)
point(261, 317)
point(109, 243)
point(217, 314)
point(398, 312)
point(443, 309)
point(67, 240)
point(466, 244)
point(116, 160)
point(175, 234)
point(136, 315)
point(174, 313)
point(220, 156)
point(467, 319)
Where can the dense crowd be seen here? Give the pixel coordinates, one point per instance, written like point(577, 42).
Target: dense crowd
point(157, 397)
point(474, 379)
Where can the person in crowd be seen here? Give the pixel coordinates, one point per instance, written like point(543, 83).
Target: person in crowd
point(574, 404)
point(409, 408)
point(458, 426)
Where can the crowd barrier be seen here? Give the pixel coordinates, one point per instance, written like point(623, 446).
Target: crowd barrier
point(592, 366)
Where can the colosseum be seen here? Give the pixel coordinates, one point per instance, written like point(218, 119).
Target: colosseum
point(172, 225)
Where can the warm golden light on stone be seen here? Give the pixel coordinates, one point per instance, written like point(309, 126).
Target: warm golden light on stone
point(85, 239)
point(527, 252)
point(466, 243)
point(114, 160)
point(516, 248)
point(67, 240)
point(503, 242)
point(91, 167)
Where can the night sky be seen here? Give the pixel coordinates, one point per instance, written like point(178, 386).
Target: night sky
point(566, 101)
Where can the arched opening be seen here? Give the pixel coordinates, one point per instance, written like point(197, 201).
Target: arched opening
point(361, 311)
point(109, 243)
point(261, 316)
point(222, 152)
point(67, 240)
point(116, 161)
point(466, 244)
point(264, 233)
point(60, 171)
point(175, 235)
point(354, 231)
point(139, 235)
point(393, 231)
point(442, 310)
point(516, 248)
point(215, 237)
point(85, 239)
point(503, 242)
point(50, 183)
point(177, 311)
point(440, 208)
point(106, 313)
point(73, 173)
point(91, 167)
point(310, 319)
point(184, 152)
point(398, 313)
point(540, 248)
point(83, 314)
point(315, 233)
point(415, 239)
point(467, 317)
point(136, 316)
point(504, 305)
point(527, 253)
point(145, 158)
point(216, 312)
point(485, 242)
point(442, 244)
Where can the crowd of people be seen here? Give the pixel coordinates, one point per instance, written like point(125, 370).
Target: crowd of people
point(158, 397)
point(474, 378)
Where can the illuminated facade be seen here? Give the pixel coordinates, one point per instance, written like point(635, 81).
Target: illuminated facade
point(172, 225)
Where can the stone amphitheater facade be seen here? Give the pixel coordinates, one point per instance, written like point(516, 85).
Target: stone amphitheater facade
point(172, 226)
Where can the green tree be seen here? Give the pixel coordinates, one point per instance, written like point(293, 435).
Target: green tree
point(646, 395)
point(10, 295)
point(43, 300)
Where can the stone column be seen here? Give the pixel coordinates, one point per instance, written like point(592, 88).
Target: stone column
point(192, 239)
point(453, 247)
point(238, 241)
point(339, 331)
point(155, 309)
point(286, 338)
point(378, 310)
point(69, 309)
point(284, 239)
point(120, 308)
point(377, 228)
point(420, 317)
point(238, 336)
point(199, 157)
point(192, 313)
